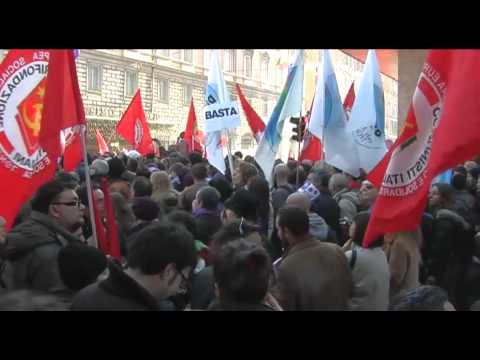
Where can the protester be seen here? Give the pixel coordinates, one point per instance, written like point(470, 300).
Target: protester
point(423, 298)
point(318, 227)
point(199, 173)
point(163, 192)
point(367, 195)
point(141, 187)
point(347, 199)
point(312, 275)
point(242, 173)
point(31, 248)
point(206, 212)
point(323, 204)
point(117, 183)
point(242, 272)
point(160, 261)
point(258, 186)
point(370, 271)
point(281, 188)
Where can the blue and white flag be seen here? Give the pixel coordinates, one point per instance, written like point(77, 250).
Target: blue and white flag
point(328, 120)
point(367, 120)
point(216, 92)
point(445, 177)
point(289, 104)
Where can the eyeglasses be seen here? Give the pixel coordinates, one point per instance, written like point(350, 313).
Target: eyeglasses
point(70, 203)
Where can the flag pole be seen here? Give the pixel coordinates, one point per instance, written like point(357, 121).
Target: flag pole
point(229, 150)
point(83, 130)
point(300, 134)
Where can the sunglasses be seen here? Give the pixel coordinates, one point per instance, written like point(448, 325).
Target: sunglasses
point(70, 203)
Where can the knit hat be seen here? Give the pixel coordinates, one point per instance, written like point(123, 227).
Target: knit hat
point(80, 265)
point(145, 208)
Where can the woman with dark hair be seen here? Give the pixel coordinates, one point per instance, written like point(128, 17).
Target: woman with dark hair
point(370, 271)
point(242, 271)
point(448, 254)
point(259, 187)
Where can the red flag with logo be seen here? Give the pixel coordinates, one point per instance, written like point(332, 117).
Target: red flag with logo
point(192, 135)
point(101, 143)
point(133, 126)
point(349, 100)
point(73, 154)
point(24, 165)
point(63, 106)
point(441, 130)
point(254, 121)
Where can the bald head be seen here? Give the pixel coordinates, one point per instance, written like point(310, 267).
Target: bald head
point(281, 173)
point(337, 182)
point(300, 200)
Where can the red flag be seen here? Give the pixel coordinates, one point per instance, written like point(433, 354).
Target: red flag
point(312, 146)
point(102, 145)
point(73, 154)
point(134, 128)
point(112, 233)
point(102, 241)
point(254, 121)
point(24, 166)
point(192, 134)
point(63, 106)
point(441, 130)
point(349, 100)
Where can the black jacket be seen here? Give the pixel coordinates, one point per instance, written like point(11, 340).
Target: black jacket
point(207, 225)
point(119, 292)
point(31, 251)
point(327, 208)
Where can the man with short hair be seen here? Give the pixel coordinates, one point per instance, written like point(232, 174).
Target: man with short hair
point(199, 174)
point(312, 275)
point(141, 187)
point(207, 213)
point(32, 247)
point(281, 189)
point(160, 260)
point(318, 226)
point(324, 205)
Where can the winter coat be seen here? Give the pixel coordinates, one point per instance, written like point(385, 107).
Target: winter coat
point(371, 279)
point(348, 203)
point(318, 226)
point(31, 251)
point(313, 275)
point(403, 254)
point(119, 292)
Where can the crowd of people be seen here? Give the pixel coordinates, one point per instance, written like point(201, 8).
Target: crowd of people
point(191, 238)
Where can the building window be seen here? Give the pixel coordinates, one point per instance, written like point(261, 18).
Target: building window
point(131, 82)
point(163, 90)
point(264, 68)
point(187, 94)
point(229, 60)
point(164, 52)
point(265, 108)
point(247, 63)
point(188, 56)
point(94, 77)
point(247, 141)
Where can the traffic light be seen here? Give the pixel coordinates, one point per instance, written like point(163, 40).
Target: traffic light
point(299, 129)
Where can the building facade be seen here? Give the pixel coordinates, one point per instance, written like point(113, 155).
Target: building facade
point(170, 78)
